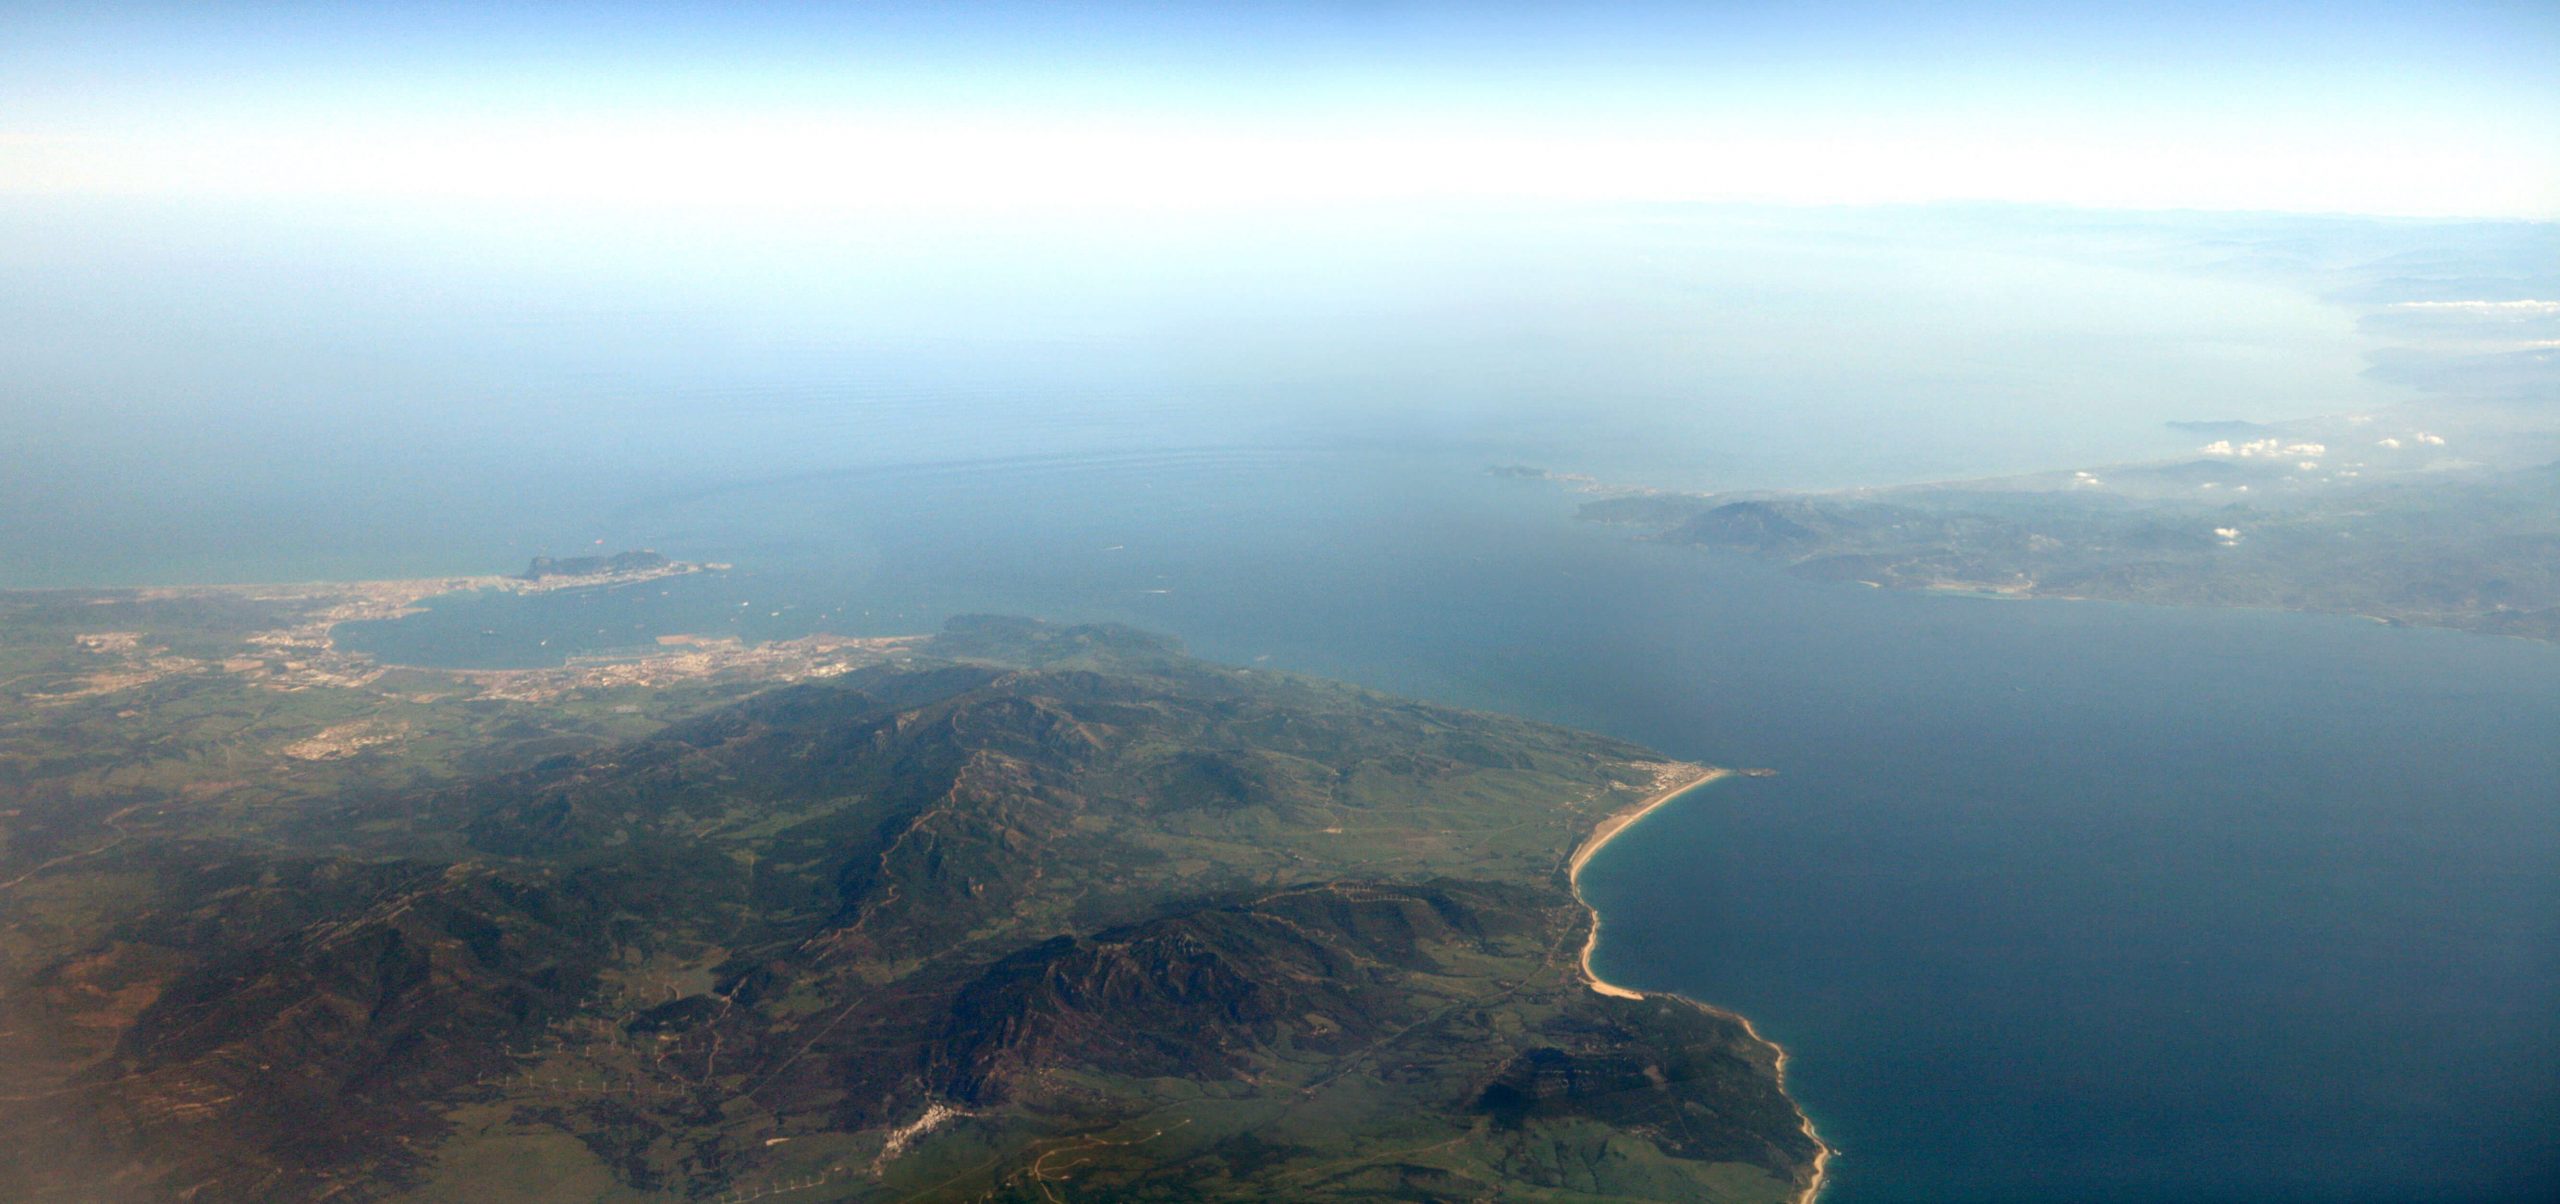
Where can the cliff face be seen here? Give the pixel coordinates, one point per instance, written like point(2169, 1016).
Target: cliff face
point(1094, 919)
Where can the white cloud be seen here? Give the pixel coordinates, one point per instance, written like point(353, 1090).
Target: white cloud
point(2264, 447)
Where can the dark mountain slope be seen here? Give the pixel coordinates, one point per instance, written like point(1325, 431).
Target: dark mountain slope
point(1098, 921)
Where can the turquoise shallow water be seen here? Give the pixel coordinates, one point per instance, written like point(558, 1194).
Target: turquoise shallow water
point(2050, 900)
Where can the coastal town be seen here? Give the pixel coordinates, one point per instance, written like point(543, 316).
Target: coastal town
point(301, 652)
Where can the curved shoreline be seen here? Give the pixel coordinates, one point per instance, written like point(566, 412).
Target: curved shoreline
point(1610, 829)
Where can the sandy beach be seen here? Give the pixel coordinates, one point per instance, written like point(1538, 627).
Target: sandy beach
point(1679, 780)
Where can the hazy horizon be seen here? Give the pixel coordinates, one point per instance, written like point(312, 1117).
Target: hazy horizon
point(2359, 108)
point(229, 371)
point(743, 480)
point(554, 257)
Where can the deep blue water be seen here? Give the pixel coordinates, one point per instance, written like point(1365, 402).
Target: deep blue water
point(2049, 900)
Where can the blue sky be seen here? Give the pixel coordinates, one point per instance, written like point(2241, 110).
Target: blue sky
point(2436, 109)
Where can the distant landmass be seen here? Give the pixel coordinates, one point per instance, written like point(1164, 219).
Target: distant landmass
point(594, 566)
point(1018, 912)
point(2352, 520)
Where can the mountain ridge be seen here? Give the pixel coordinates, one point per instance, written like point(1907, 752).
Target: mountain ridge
point(918, 929)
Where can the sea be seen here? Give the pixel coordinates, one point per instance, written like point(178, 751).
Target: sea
point(2047, 900)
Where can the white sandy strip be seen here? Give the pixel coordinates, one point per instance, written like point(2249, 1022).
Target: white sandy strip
point(1610, 829)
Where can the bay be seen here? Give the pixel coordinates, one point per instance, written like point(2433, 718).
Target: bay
point(2049, 900)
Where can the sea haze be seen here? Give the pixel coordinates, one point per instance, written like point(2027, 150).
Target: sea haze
point(2048, 900)
point(204, 395)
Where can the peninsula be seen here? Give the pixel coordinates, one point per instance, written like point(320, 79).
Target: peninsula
point(1018, 911)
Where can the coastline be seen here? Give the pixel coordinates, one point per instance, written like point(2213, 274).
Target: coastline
point(1610, 828)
